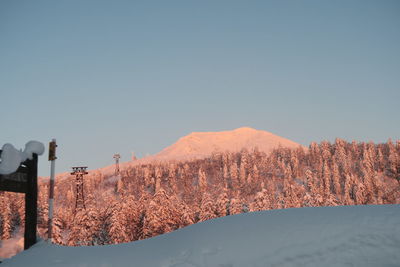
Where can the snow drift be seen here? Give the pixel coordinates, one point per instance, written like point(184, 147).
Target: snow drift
point(329, 236)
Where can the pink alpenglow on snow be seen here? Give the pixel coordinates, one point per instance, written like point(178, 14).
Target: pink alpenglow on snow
point(199, 145)
point(203, 144)
point(11, 158)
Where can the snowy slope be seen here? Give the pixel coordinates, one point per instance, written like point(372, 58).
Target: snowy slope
point(332, 236)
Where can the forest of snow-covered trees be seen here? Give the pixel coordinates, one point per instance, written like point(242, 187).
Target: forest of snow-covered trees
point(151, 199)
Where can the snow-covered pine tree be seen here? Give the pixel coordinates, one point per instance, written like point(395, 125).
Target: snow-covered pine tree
point(57, 228)
point(160, 215)
point(244, 160)
point(261, 201)
point(118, 232)
point(185, 213)
point(326, 172)
point(222, 205)
point(207, 208)
point(202, 180)
point(236, 204)
point(336, 179)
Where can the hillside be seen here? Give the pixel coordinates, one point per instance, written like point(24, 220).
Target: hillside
point(147, 200)
point(333, 236)
point(151, 199)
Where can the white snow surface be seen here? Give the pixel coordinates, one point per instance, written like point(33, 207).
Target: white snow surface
point(329, 236)
point(11, 158)
point(32, 147)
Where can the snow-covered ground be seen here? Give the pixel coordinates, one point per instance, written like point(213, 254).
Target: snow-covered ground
point(331, 236)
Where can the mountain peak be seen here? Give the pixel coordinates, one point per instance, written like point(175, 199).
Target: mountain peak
point(245, 129)
point(240, 130)
point(203, 144)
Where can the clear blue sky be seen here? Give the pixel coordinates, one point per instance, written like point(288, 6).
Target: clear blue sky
point(120, 76)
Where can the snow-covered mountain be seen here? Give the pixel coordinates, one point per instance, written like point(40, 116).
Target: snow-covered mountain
point(329, 236)
point(203, 144)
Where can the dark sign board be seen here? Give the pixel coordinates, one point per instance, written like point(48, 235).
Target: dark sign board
point(15, 182)
point(24, 180)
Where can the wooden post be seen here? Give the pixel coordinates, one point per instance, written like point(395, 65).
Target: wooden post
point(31, 203)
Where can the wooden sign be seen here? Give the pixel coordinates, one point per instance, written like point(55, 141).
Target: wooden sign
point(15, 182)
point(24, 180)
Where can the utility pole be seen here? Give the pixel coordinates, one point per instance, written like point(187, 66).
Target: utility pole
point(52, 159)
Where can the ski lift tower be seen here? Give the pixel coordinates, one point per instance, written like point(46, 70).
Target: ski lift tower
point(79, 172)
point(117, 157)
